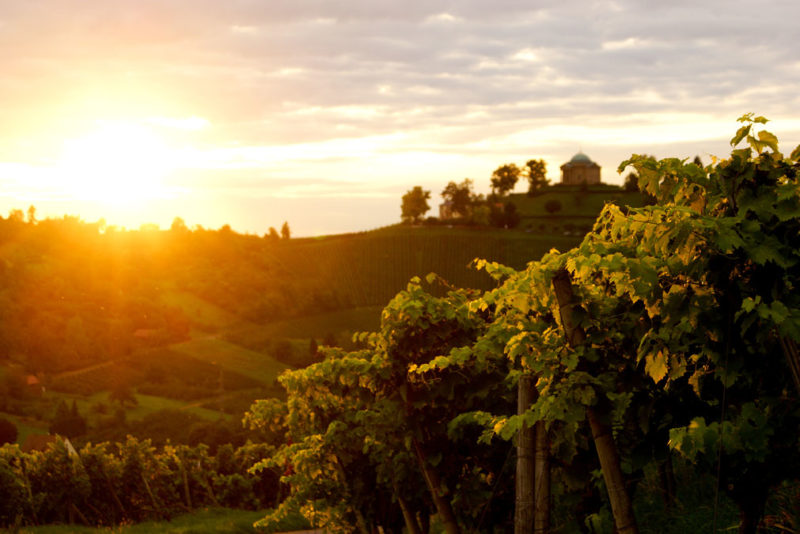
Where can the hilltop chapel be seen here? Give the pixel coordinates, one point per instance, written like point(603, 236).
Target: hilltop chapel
point(580, 169)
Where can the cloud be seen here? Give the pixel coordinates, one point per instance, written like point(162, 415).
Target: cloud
point(307, 86)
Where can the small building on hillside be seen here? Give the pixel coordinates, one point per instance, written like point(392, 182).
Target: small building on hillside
point(580, 169)
point(34, 386)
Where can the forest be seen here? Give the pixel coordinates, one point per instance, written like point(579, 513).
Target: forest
point(646, 379)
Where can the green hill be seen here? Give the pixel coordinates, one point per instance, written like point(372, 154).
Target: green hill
point(575, 200)
point(368, 269)
point(211, 317)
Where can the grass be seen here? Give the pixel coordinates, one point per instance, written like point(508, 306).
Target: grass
point(694, 509)
point(573, 202)
point(232, 357)
point(298, 331)
point(83, 403)
point(87, 381)
point(369, 269)
point(25, 426)
point(147, 404)
point(202, 314)
point(317, 326)
point(210, 521)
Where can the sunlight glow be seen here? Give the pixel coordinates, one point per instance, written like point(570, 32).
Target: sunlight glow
point(119, 163)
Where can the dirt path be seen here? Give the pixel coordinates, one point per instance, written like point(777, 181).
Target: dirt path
point(77, 372)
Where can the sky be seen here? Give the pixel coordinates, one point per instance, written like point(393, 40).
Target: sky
point(324, 113)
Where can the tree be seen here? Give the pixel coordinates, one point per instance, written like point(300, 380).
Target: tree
point(511, 215)
point(552, 206)
point(482, 215)
point(122, 393)
point(285, 232)
point(536, 172)
point(8, 431)
point(460, 197)
point(504, 178)
point(329, 340)
point(272, 235)
point(68, 422)
point(179, 226)
point(505, 215)
point(631, 184)
point(415, 204)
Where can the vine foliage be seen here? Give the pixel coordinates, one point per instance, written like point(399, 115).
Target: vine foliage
point(677, 336)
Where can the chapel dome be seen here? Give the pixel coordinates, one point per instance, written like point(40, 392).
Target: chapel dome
point(580, 157)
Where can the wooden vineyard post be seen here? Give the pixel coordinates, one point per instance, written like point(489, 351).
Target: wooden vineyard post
point(524, 505)
point(541, 455)
point(598, 416)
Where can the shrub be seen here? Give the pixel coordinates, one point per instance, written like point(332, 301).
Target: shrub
point(552, 206)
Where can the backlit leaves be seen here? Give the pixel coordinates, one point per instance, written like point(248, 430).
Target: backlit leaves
point(656, 366)
point(678, 301)
point(741, 133)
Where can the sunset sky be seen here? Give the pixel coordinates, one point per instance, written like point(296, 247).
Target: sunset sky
point(323, 113)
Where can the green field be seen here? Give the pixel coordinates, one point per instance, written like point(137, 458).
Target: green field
point(369, 269)
point(574, 202)
point(233, 357)
point(342, 324)
point(25, 426)
point(317, 326)
point(87, 405)
point(146, 404)
point(202, 314)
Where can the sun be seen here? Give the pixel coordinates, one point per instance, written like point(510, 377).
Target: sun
point(117, 164)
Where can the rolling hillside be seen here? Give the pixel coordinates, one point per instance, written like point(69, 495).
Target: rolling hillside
point(210, 318)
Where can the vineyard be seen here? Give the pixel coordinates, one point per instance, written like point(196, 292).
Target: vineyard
point(659, 352)
point(186, 370)
point(369, 269)
point(645, 379)
point(132, 481)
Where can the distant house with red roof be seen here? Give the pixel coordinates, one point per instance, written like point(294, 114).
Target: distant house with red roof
point(40, 442)
point(33, 385)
